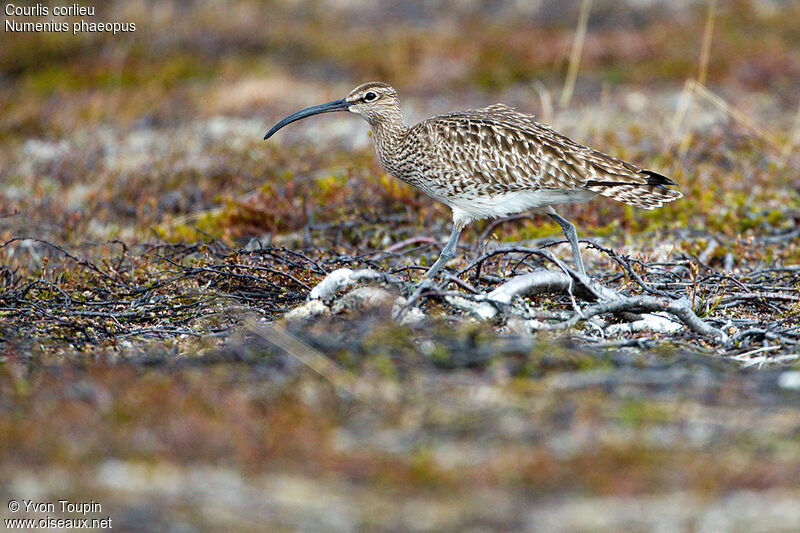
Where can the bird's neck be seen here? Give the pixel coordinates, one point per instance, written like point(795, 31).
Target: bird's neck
point(389, 130)
point(388, 138)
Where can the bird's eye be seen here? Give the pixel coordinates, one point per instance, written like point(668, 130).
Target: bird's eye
point(370, 96)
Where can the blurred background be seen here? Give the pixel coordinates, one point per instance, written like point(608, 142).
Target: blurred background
point(173, 113)
point(155, 136)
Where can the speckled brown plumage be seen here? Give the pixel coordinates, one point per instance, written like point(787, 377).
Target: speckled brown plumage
point(493, 162)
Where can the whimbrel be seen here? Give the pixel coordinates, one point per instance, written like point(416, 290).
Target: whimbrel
point(493, 162)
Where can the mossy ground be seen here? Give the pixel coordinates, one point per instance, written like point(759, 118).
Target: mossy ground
point(126, 374)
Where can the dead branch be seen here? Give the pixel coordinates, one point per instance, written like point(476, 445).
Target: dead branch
point(342, 278)
point(681, 309)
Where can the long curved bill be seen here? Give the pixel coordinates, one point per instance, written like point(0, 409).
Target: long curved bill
point(337, 105)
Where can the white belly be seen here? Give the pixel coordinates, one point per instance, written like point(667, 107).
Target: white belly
point(466, 209)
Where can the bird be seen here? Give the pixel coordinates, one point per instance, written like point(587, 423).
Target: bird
point(493, 162)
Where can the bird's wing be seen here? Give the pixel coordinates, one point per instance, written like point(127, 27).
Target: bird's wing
point(506, 150)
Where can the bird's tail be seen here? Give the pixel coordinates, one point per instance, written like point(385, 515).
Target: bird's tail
point(648, 195)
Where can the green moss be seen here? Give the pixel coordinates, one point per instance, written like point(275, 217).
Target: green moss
point(206, 226)
point(54, 77)
point(643, 412)
point(424, 470)
point(553, 356)
point(391, 341)
point(531, 231)
point(383, 366)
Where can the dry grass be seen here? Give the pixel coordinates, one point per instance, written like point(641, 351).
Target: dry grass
point(575, 54)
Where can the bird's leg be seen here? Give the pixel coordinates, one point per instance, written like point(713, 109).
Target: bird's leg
point(446, 254)
point(572, 237)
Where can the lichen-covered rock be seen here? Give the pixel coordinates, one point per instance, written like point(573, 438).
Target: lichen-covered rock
point(363, 298)
point(310, 309)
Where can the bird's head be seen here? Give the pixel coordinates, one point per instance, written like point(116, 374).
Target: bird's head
point(374, 101)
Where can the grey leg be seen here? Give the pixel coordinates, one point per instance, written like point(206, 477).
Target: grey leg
point(446, 254)
point(572, 237)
